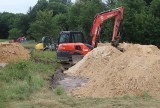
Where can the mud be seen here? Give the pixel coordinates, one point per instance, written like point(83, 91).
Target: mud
point(56, 77)
point(70, 83)
point(67, 82)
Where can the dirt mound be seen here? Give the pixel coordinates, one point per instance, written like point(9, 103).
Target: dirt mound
point(12, 52)
point(113, 73)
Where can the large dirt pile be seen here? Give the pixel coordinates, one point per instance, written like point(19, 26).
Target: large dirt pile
point(12, 52)
point(113, 73)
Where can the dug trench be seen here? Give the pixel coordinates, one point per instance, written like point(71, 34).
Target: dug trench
point(67, 82)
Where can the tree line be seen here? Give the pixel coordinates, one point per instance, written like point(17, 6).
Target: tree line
point(141, 22)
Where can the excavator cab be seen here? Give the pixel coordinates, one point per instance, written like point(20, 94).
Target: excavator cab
point(71, 47)
point(71, 37)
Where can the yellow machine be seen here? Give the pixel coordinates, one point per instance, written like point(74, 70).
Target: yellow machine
point(39, 46)
point(47, 44)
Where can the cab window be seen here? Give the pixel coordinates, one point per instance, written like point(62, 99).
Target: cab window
point(64, 38)
point(77, 38)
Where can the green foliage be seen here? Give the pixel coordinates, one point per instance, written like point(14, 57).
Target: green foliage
point(57, 7)
point(32, 13)
point(138, 21)
point(43, 26)
point(16, 91)
point(59, 90)
point(81, 15)
point(155, 4)
point(14, 33)
point(4, 31)
point(16, 71)
point(19, 80)
point(60, 24)
point(43, 55)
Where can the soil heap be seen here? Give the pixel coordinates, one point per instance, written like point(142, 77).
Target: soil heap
point(112, 73)
point(12, 52)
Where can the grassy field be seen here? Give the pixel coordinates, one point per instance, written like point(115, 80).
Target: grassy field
point(20, 80)
point(25, 84)
point(4, 40)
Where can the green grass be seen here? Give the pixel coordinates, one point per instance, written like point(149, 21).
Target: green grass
point(29, 44)
point(4, 40)
point(43, 55)
point(18, 81)
point(59, 91)
point(47, 98)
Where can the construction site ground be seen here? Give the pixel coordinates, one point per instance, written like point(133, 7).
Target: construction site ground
point(40, 86)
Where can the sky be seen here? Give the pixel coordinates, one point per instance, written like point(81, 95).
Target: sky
point(17, 6)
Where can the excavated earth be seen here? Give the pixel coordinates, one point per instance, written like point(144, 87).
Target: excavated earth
point(12, 52)
point(112, 73)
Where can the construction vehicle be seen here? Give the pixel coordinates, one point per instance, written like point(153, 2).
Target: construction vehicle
point(46, 44)
point(72, 45)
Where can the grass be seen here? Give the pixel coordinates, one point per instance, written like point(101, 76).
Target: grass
point(44, 55)
point(4, 40)
point(29, 44)
point(18, 81)
point(59, 90)
point(24, 85)
point(47, 98)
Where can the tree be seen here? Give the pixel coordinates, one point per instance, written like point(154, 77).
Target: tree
point(4, 31)
point(14, 33)
point(40, 6)
point(60, 24)
point(43, 26)
point(130, 26)
point(81, 15)
point(148, 2)
point(61, 1)
point(57, 8)
point(155, 4)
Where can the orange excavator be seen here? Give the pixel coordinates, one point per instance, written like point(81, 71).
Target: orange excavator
point(72, 45)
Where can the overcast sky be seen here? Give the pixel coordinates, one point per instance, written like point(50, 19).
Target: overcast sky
point(17, 6)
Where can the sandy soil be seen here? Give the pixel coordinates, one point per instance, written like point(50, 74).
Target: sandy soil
point(113, 73)
point(12, 52)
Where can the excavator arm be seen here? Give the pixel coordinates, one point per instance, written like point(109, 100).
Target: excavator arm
point(101, 17)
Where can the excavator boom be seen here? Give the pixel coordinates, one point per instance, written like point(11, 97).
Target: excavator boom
point(103, 16)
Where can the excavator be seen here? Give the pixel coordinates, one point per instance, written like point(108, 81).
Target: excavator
point(72, 46)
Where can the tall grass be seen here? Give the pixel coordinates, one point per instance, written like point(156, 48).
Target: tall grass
point(19, 80)
point(43, 55)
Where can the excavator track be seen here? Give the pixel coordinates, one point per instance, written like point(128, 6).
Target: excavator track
point(67, 65)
